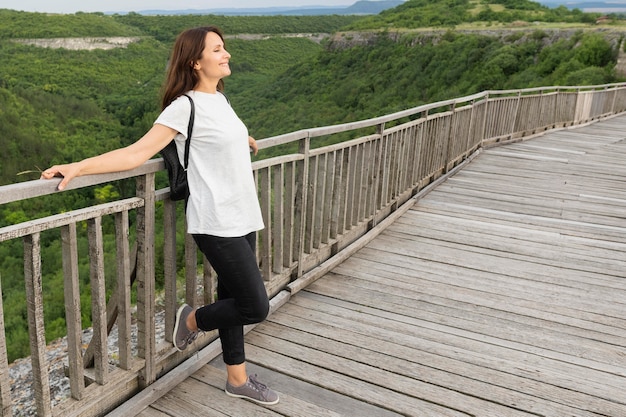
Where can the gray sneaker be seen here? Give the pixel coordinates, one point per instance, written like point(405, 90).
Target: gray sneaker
point(182, 335)
point(253, 390)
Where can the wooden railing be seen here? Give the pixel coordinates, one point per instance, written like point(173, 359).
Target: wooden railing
point(318, 203)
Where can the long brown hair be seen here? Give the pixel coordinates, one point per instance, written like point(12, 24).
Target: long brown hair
point(187, 50)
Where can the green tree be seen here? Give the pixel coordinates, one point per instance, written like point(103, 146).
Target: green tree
point(595, 51)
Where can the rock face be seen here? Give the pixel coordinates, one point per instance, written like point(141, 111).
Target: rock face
point(620, 67)
point(81, 43)
point(344, 40)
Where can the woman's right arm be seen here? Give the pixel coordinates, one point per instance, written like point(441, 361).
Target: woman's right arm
point(121, 159)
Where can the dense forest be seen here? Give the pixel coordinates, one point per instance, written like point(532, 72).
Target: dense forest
point(59, 105)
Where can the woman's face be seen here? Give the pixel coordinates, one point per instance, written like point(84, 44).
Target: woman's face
point(213, 64)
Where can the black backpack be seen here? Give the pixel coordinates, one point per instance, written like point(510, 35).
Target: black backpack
point(176, 172)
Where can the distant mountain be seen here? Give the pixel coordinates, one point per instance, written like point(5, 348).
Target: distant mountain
point(588, 6)
point(360, 7)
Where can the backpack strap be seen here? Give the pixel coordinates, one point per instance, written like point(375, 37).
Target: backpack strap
point(189, 130)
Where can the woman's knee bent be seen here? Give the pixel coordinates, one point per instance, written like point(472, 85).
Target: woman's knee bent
point(257, 311)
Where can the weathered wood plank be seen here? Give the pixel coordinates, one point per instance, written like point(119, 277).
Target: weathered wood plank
point(544, 245)
point(549, 252)
point(586, 351)
point(564, 227)
point(505, 268)
point(428, 287)
point(457, 375)
point(449, 340)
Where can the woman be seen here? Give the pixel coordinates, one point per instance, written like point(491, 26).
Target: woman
point(223, 213)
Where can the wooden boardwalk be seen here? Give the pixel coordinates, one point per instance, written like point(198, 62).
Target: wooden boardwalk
point(501, 293)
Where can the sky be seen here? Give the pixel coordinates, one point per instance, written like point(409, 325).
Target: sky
point(73, 6)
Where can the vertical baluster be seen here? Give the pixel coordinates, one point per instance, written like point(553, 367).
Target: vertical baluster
point(319, 184)
point(351, 174)
point(311, 191)
point(336, 215)
point(73, 310)
point(169, 265)
point(328, 196)
point(36, 330)
point(289, 217)
point(370, 184)
point(191, 276)
point(98, 300)
point(123, 290)
point(359, 185)
point(392, 167)
point(342, 220)
point(419, 138)
point(278, 226)
point(448, 150)
point(264, 179)
point(302, 180)
point(383, 157)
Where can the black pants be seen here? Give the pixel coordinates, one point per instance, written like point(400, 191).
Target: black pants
point(241, 294)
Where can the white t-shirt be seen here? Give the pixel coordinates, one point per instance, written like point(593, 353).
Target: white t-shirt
point(223, 200)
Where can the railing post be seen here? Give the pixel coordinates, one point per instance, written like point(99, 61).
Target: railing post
point(302, 179)
point(145, 279)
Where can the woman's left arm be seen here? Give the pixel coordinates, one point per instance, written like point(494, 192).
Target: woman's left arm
point(254, 148)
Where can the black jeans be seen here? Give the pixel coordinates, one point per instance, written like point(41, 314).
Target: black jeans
point(241, 295)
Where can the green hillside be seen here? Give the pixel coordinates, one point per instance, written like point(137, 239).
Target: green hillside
point(60, 105)
point(449, 13)
point(17, 25)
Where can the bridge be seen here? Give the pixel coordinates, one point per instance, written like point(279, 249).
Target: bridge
point(460, 258)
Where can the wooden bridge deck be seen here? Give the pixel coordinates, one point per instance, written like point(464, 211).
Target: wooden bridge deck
point(501, 293)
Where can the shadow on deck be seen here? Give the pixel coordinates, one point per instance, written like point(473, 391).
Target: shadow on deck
point(500, 293)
